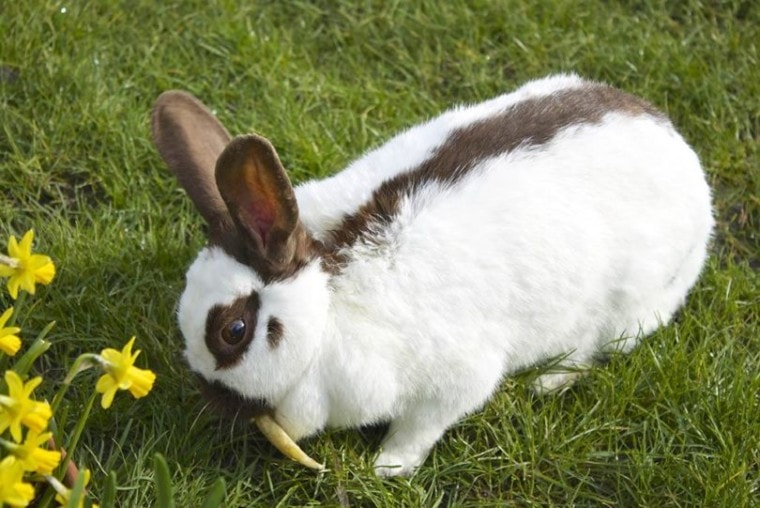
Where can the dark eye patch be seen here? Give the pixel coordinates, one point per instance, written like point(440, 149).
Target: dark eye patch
point(229, 329)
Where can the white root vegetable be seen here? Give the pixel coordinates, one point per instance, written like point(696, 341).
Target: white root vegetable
point(283, 442)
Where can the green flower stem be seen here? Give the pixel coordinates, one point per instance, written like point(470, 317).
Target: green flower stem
point(17, 305)
point(8, 445)
point(82, 363)
point(75, 494)
point(73, 440)
point(71, 444)
point(38, 347)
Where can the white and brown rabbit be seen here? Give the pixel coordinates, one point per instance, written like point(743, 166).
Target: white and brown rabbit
point(560, 220)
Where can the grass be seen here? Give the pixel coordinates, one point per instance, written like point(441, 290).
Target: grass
point(675, 423)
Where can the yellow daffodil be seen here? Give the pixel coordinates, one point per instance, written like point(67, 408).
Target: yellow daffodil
point(121, 374)
point(63, 494)
point(32, 456)
point(10, 343)
point(24, 269)
point(17, 408)
point(13, 490)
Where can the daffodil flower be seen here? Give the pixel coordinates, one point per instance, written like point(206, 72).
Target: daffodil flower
point(10, 343)
point(63, 494)
point(24, 269)
point(18, 408)
point(13, 490)
point(121, 374)
point(32, 456)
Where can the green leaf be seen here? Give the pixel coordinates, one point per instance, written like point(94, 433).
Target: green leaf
point(216, 494)
point(38, 347)
point(77, 492)
point(164, 494)
point(107, 499)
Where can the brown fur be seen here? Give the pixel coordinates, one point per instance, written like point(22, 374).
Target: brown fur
point(190, 139)
point(230, 404)
point(531, 122)
point(275, 332)
point(269, 237)
point(245, 308)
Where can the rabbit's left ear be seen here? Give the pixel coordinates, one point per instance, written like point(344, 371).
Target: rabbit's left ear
point(260, 198)
point(190, 139)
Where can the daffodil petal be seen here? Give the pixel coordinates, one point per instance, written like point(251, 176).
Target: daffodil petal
point(10, 344)
point(105, 383)
point(111, 356)
point(127, 350)
point(11, 330)
point(5, 421)
point(13, 248)
point(31, 384)
point(6, 316)
point(22, 495)
point(13, 284)
point(26, 282)
point(15, 384)
point(107, 399)
point(26, 242)
point(15, 429)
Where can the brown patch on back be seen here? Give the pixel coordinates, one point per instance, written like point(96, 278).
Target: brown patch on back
point(227, 355)
point(532, 122)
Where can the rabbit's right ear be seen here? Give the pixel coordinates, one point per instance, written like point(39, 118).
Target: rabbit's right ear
point(190, 139)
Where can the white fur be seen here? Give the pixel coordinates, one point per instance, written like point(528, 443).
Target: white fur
point(325, 203)
point(301, 302)
point(587, 242)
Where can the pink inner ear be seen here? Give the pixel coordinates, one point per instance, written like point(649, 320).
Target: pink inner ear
point(262, 219)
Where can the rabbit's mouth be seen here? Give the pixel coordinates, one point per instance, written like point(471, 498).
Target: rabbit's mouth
point(231, 404)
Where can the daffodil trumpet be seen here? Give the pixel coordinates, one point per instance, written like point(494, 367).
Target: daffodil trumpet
point(283, 442)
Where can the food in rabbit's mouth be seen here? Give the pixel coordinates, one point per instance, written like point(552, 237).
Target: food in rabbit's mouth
point(282, 441)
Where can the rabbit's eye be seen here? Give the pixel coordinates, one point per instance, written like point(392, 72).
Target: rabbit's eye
point(234, 332)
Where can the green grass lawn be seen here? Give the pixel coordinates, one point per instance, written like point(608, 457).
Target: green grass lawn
point(677, 422)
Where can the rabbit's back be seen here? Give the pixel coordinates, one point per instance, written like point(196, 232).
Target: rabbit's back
point(579, 229)
point(324, 204)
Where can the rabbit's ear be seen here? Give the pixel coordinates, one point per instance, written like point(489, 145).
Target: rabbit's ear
point(260, 199)
point(190, 139)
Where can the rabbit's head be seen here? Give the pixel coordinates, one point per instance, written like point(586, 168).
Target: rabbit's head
point(255, 304)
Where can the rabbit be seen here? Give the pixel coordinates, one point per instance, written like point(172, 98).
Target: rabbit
point(565, 219)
